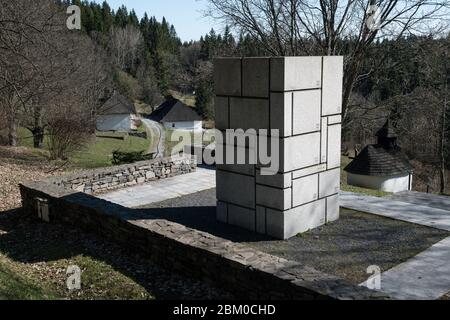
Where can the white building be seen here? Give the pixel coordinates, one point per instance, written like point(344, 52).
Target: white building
point(174, 114)
point(382, 166)
point(117, 114)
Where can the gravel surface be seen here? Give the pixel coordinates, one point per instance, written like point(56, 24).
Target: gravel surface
point(345, 248)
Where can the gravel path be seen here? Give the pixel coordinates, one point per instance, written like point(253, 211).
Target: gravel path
point(345, 248)
point(159, 135)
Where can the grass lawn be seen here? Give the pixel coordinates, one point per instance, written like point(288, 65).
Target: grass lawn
point(98, 152)
point(186, 137)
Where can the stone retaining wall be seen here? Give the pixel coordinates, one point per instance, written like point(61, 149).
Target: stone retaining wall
point(105, 179)
point(248, 273)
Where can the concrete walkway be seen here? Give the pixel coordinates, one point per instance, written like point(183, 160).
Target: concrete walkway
point(160, 137)
point(423, 277)
point(427, 275)
point(420, 198)
point(414, 213)
point(162, 190)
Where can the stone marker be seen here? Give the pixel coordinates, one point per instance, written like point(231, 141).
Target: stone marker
point(302, 98)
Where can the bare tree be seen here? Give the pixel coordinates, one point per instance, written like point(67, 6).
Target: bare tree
point(124, 45)
point(330, 27)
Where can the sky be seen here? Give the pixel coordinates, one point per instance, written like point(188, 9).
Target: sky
point(185, 15)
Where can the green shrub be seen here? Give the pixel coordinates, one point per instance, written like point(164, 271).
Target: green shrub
point(120, 157)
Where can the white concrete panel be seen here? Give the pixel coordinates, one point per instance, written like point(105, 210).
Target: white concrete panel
point(260, 219)
point(333, 208)
point(324, 141)
point(304, 218)
point(241, 217)
point(329, 183)
point(300, 151)
point(334, 119)
point(227, 76)
point(235, 188)
point(308, 171)
point(332, 85)
point(296, 73)
point(221, 113)
point(249, 113)
point(395, 183)
point(305, 190)
point(280, 199)
point(280, 180)
point(222, 212)
point(281, 113)
point(306, 111)
point(334, 146)
point(255, 77)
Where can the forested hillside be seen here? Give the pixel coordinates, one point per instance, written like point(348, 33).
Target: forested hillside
point(401, 75)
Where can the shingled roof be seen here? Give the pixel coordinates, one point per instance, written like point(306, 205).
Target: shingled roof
point(118, 104)
point(375, 160)
point(173, 110)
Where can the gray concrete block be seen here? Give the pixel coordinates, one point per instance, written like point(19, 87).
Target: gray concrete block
point(222, 212)
point(260, 219)
point(333, 208)
point(280, 199)
point(247, 169)
point(249, 113)
point(275, 224)
point(300, 152)
point(255, 77)
point(334, 146)
point(227, 76)
point(241, 217)
point(304, 218)
point(296, 73)
point(324, 140)
point(221, 113)
point(305, 190)
point(329, 183)
point(280, 180)
point(281, 113)
point(240, 159)
point(308, 171)
point(235, 188)
point(332, 85)
point(306, 111)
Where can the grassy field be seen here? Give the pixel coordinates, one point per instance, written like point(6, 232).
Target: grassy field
point(98, 152)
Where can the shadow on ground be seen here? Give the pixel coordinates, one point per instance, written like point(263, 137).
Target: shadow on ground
point(27, 241)
point(345, 248)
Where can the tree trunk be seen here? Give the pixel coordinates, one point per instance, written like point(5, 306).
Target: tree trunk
point(12, 133)
point(38, 138)
point(442, 148)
